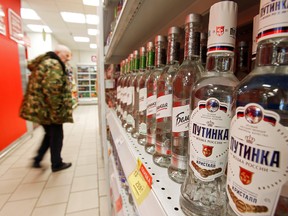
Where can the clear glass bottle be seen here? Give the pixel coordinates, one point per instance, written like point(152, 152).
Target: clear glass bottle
point(132, 89)
point(162, 155)
point(151, 85)
point(118, 98)
point(123, 94)
point(140, 67)
point(242, 60)
point(203, 48)
point(127, 93)
point(150, 59)
point(257, 175)
point(203, 191)
point(186, 76)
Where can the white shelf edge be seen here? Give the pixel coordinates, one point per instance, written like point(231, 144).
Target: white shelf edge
point(163, 198)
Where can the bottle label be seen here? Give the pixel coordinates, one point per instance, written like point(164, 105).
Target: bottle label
point(180, 118)
point(142, 128)
point(130, 94)
point(273, 19)
point(151, 105)
point(163, 106)
point(142, 99)
point(179, 161)
point(209, 136)
point(124, 95)
point(118, 92)
point(257, 161)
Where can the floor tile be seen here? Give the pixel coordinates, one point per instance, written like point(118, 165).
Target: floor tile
point(37, 175)
point(27, 191)
point(91, 212)
point(101, 174)
point(55, 195)
point(86, 170)
point(103, 189)
point(86, 160)
point(3, 199)
point(84, 183)
point(53, 210)
point(83, 200)
point(9, 186)
point(60, 179)
point(15, 173)
point(23, 208)
point(104, 208)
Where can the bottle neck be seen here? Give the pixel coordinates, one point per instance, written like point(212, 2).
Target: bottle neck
point(192, 41)
point(142, 66)
point(220, 62)
point(150, 59)
point(173, 49)
point(272, 52)
point(160, 54)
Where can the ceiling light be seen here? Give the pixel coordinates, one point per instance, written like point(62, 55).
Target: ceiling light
point(39, 28)
point(93, 31)
point(81, 39)
point(92, 19)
point(93, 46)
point(73, 17)
point(91, 2)
point(27, 13)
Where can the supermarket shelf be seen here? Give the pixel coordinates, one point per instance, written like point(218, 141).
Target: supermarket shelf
point(163, 198)
point(141, 20)
point(127, 208)
point(87, 101)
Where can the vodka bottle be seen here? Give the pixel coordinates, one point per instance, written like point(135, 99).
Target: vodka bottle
point(203, 191)
point(118, 97)
point(123, 94)
point(143, 92)
point(186, 76)
point(132, 89)
point(140, 65)
point(242, 60)
point(126, 94)
point(203, 48)
point(162, 154)
point(151, 85)
point(254, 40)
point(257, 176)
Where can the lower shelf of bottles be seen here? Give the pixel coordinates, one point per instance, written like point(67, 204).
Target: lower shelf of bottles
point(163, 199)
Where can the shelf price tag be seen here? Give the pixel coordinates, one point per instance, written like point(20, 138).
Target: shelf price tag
point(140, 182)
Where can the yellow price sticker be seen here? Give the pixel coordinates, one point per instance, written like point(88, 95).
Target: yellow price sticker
point(138, 184)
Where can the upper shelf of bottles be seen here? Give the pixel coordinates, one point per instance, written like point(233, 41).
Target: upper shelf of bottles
point(141, 20)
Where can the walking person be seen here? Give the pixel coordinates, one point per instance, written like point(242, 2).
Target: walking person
point(48, 102)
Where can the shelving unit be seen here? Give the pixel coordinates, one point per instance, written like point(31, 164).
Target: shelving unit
point(138, 23)
point(86, 78)
point(163, 198)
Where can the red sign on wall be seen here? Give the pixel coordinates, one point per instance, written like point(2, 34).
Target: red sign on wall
point(15, 26)
point(2, 22)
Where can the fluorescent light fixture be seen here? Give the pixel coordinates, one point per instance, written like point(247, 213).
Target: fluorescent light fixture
point(81, 39)
point(93, 46)
point(39, 28)
point(27, 13)
point(93, 31)
point(92, 19)
point(73, 17)
point(91, 2)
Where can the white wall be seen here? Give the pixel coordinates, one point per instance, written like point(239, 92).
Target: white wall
point(38, 45)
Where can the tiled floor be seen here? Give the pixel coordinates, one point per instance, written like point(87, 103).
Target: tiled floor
point(77, 191)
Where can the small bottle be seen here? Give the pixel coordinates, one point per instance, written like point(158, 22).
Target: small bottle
point(132, 89)
point(257, 175)
point(151, 85)
point(254, 40)
point(123, 89)
point(162, 155)
point(203, 191)
point(118, 98)
point(143, 92)
point(186, 76)
point(140, 67)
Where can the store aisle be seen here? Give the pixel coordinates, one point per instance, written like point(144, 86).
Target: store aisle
point(77, 191)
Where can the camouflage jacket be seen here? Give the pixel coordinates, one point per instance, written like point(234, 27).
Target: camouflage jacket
point(48, 97)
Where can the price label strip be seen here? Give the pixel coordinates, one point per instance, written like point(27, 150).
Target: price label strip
point(140, 182)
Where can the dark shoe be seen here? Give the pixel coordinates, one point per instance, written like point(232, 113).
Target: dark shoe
point(36, 165)
point(61, 167)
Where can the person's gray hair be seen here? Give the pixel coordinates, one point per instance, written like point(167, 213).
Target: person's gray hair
point(61, 48)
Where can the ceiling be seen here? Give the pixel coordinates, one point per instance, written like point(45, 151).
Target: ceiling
point(63, 32)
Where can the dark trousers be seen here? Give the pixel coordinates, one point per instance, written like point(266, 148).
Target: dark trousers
point(53, 139)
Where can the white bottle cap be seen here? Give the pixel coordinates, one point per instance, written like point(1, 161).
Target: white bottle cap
point(222, 27)
point(273, 19)
point(254, 34)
